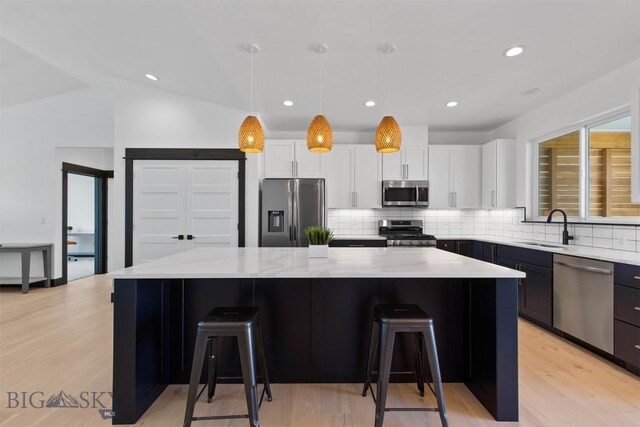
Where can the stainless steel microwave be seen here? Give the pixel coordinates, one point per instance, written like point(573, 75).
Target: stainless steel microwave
point(405, 193)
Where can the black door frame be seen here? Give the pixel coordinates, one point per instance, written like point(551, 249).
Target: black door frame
point(101, 214)
point(132, 154)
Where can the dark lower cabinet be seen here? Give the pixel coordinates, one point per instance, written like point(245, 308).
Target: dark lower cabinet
point(477, 250)
point(446, 245)
point(489, 252)
point(627, 344)
point(462, 247)
point(535, 292)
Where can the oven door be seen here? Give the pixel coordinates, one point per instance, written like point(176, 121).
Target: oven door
point(405, 193)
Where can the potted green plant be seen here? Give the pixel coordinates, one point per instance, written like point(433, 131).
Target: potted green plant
point(319, 239)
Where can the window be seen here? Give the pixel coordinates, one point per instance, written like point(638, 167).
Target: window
point(610, 170)
point(559, 174)
point(603, 151)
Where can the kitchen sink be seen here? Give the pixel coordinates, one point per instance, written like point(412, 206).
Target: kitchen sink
point(544, 245)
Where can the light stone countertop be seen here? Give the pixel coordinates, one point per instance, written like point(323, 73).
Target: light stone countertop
point(610, 255)
point(394, 262)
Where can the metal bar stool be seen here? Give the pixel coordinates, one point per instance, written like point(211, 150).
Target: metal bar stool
point(388, 320)
point(244, 324)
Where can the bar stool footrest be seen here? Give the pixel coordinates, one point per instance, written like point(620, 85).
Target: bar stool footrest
point(411, 409)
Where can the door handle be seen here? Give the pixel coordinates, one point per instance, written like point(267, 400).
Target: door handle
point(179, 237)
point(407, 177)
point(356, 246)
point(493, 194)
point(356, 194)
point(296, 168)
point(585, 268)
point(190, 237)
point(293, 168)
point(455, 199)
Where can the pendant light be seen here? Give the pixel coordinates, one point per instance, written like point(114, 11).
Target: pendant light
point(388, 135)
point(320, 135)
point(251, 134)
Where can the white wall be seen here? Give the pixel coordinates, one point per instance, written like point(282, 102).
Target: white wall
point(148, 118)
point(604, 94)
point(458, 137)
point(30, 177)
point(412, 135)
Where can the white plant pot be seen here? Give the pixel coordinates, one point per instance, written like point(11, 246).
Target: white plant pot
point(318, 251)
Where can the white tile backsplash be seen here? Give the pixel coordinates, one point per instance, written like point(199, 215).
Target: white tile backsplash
point(500, 223)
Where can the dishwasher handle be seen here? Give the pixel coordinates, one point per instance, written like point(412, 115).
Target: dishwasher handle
point(585, 268)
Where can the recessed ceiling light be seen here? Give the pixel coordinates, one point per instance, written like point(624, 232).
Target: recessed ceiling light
point(530, 91)
point(452, 104)
point(151, 77)
point(370, 104)
point(514, 51)
point(287, 103)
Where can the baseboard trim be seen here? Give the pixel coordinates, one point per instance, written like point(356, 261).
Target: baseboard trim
point(39, 284)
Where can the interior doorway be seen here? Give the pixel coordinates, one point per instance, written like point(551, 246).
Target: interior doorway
point(84, 221)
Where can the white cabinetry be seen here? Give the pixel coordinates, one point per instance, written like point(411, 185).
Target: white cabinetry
point(454, 176)
point(353, 175)
point(499, 174)
point(411, 162)
point(291, 159)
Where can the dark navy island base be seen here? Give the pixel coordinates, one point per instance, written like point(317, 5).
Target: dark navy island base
point(315, 331)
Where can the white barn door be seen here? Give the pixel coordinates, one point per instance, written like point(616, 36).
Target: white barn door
point(179, 205)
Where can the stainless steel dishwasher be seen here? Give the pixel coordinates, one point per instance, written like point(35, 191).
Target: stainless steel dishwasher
point(583, 299)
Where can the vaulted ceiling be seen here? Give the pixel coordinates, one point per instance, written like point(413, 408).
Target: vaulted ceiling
point(446, 50)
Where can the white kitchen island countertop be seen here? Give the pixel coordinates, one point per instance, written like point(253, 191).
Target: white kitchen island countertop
point(393, 262)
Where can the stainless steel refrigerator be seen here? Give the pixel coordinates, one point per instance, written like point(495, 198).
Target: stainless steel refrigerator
point(287, 207)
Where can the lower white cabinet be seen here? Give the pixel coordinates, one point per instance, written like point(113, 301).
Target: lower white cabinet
point(454, 176)
point(353, 177)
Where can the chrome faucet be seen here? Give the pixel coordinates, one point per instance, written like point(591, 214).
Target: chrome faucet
point(565, 233)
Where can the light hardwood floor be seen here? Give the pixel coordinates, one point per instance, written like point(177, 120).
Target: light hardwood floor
point(60, 339)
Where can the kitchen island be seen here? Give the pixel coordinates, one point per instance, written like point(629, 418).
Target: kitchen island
point(316, 315)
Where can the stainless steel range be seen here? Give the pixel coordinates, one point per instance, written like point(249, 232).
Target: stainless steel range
point(404, 232)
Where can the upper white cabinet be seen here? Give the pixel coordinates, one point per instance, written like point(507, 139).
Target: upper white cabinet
point(353, 174)
point(454, 176)
point(291, 159)
point(499, 174)
point(465, 165)
point(439, 177)
point(308, 164)
point(279, 159)
point(339, 179)
point(411, 162)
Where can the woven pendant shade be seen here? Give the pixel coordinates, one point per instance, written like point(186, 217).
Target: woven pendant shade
point(388, 135)
point(251, 135)
point(319, 135)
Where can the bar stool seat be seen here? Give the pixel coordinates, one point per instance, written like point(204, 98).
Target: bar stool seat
point(244, 324)
point(389, 320)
